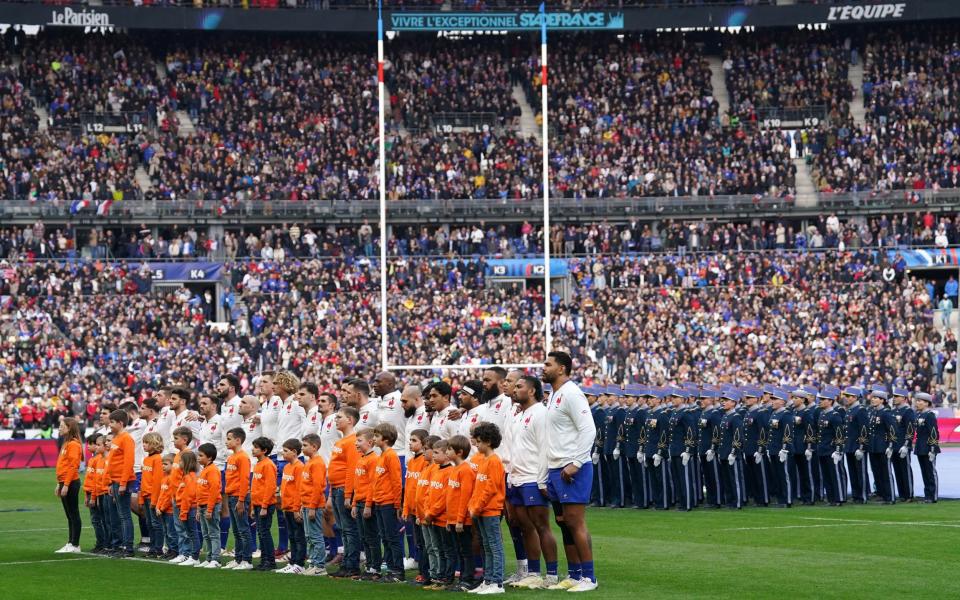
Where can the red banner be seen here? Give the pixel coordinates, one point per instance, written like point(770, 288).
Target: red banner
point(949, 431)
point(28, 454)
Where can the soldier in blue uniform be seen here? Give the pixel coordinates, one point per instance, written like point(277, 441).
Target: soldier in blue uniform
point(655, 433)
point(597, 495)
point(928, 445)
point(903, 448)
point(612, 437)
point(830, 444)
point(858, 427)
point(754, 431)
point(811, 485)
point(692, 391)
point(881, 437)
point(730, 452)
point(708, 444)
point(779, 434)
point(681, 448)
point(632, 427)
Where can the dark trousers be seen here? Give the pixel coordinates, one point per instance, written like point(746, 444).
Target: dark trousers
point(683, 482)
point(697, 479)
point(809, 477)
point(370, 539)
point(596, 489)
point(859, 480)
point(732, 482)
point(464, 545)
point(297, 537)
point(834, 479)
point(711, 480)
point(928, 470)
point(71, 508)
point(616, 493)
point(388, 527)
point(903, 471)
point(423, 562)
point(659, 483)
point(882, 468)
point(757, 476)
point(606, 482)
point(155, 524)
point(638, 483)
point(96, 521)
point(448, 553)
point(264, 523)
point(781, 479)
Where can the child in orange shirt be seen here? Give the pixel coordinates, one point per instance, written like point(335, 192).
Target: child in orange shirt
point(341, 473)
point(312, 502)
point(91, 488)
point(415, 466)
point(186, 502)
point(439, 541)
point(209, 499)
point(164, 507)
point(429, 562)
point(486, 505)
point(362, 509)
point(386, 495)
point(237, 490)
point(120, 461)
point(182, 439)
point(290, 504)
point(263, 492)
point(459, 490)
point(151, 476)
point(68, 481)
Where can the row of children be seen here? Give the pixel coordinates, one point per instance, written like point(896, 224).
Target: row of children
point(454, 498)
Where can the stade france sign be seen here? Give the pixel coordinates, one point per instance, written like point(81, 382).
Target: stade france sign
point(361, 20)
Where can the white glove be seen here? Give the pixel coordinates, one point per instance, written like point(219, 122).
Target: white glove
point(641, 457)
point(903, 451)
point(858, 454)
point(783, 455)
point(837, 457)
point(889, 452)
point(808, 453)
point(732, 459)
point(710, 454)
point(595, 458)
point(757, 458)
point(685, 457)
point(657, 459)
point(616, 453)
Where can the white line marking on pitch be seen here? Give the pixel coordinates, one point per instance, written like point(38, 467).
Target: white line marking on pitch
point(791, 527)
point(36, 562)
point(869, 522)
point(26, 530)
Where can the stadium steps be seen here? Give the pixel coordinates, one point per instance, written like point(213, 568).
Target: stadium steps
point(954, 320)
point(143, 179)
point(395, 120)
point(43, 115)
point(185, 127)
point(806, 190)
point(857, 108)
point(528, 116)
point(719, 83)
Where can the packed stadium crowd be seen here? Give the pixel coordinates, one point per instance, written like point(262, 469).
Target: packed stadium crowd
point(294, 118)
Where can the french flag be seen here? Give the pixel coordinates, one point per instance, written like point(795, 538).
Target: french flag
point(78, 205)
point(104, 208)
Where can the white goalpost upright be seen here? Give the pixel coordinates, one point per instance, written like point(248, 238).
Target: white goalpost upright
point(381, 92)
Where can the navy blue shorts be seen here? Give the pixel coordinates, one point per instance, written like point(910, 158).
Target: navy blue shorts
point(133, 487)
point(526, 494)
point(575, 492)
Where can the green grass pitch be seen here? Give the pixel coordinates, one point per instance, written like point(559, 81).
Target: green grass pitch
point(907, 550)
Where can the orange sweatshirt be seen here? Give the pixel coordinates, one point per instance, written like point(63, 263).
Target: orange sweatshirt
point(423, 489)
point(208, 488)
point(490, 489)
point(90, 483)
point(290, 486)
point(414, 466)
point(459, 492)
point(343, 462)
point(388, 480)
point(263, 490)
point(151, 474)
point(165, 498)
point(68, 462)
point(120, 459)
point(475, 459)
point(313, 482)
point(186, 495)
point(238, 474)
point(363, 478)
point(102, 480)
point(176, 475)
point(436, 505)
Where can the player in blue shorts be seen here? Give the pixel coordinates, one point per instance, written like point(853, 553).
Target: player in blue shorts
point(570, 434)
point(527, 482)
